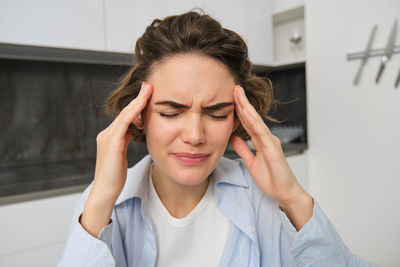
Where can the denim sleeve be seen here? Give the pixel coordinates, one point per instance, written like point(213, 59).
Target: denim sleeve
point(319, 244)
point(82, 249)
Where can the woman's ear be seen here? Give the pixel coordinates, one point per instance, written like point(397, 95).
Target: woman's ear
point(138, 122)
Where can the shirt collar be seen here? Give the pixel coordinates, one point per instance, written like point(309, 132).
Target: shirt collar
point(136, 180)
point(227, 171)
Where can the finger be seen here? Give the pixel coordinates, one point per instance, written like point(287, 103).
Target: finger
point(242, 150)
point(277, 140)
point(240, 114)
point(253, 139)
point(137, 122)
point(139, 102)
point(127, 140)
point(262, 137)
point(254, 124)
point(128, 108)
point(132, 110)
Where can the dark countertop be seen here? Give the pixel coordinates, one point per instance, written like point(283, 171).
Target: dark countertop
point(38, 181)
point(289, 149)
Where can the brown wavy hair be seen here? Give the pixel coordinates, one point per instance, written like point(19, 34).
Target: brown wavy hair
point(191, 32)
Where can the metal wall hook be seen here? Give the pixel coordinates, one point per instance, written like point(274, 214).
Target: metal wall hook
point(373, 53)
point(385, 54)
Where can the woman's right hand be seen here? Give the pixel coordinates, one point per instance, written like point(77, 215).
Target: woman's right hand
point(112, 144)
point(112, 164)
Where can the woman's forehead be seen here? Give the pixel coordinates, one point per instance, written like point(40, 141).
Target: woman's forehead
point(187, 77)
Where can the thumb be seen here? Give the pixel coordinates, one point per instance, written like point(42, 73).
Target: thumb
point(242, 150)
point(127, 141)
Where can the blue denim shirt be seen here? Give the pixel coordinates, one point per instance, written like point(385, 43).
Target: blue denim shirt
point(260, 234)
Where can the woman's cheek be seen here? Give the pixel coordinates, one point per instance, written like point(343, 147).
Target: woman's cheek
point(221, 130)
point(166, 126)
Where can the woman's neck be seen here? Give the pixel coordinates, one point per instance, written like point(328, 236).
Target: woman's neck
point(178, 199)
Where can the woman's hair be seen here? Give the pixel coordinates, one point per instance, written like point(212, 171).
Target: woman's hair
point(190, 33)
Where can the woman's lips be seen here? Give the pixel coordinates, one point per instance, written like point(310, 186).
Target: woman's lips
point(191, 159)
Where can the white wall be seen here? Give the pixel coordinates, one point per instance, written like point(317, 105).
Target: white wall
point(298, 164)
point(354, 131)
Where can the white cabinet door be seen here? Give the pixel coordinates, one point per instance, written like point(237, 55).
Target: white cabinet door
point(285, 5)
point(252, 20)
point(33, 233)
point(57, 23)
point(126, 20)
point(115, 25)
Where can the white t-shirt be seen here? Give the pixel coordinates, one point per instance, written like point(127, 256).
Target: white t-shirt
point(195, 240)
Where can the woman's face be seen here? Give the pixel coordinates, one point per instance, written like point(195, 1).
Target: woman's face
point(189, 118)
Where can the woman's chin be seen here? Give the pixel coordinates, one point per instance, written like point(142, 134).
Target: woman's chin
point(191, 178)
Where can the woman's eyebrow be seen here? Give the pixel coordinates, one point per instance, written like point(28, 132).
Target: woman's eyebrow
point(218, 106)
point(171, 104)
point(182, 106)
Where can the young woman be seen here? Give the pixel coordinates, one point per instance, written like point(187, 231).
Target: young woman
point(190, 93)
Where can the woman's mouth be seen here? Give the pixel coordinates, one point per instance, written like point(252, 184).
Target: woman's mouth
point(191, 159)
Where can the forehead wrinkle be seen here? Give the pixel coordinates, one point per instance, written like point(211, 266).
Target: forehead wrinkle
point(210, 108)
point(179, 98)
point(169, 85)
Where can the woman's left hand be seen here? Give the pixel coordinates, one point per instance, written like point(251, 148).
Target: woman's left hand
point(269, 168)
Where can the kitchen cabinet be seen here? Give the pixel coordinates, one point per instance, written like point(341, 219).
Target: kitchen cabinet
point(34, 233)
point(115, 25)
point(288, 31)
point(252, 20)
point(127, 20)
point(289, 36)
point(68, 24)
point(280, 6)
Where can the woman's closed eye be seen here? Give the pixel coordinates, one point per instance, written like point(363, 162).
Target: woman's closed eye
point(214, 116)
point(169, 115)
point(219, 117)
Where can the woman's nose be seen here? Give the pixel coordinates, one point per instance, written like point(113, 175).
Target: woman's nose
point(193, 130)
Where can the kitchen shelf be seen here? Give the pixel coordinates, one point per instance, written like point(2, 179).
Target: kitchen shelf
point(281, 65)
point(290, 14)
point(289, 35)
point(54, 54)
